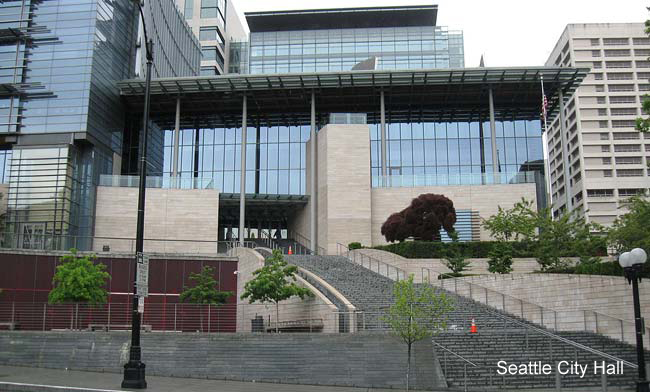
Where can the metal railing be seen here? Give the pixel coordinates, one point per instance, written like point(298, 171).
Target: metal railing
point(57, 242)
point(303, 241)
point(557, 320)
point(464, 360)
point(371, 263)
point(156, 182)
point(397, 181)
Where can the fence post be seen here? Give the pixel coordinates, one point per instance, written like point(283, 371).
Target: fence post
point(622, 332)
point(603, 381)
point(209, 330)
point(175, 317)
point(521, 305)
point(44, 315)
point(541, 313)
point(486, 296)
point(558, 380)
point(465, 376)
point(108, 325)
point(596, 316)
point(13, 312)
point(555, 319)
point(503, 302)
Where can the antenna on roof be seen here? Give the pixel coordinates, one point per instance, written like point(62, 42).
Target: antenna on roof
point(482, 63)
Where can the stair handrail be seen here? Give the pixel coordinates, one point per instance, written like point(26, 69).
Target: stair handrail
point(454, 354)
point(343, 250)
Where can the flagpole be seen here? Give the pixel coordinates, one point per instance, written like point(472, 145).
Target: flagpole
point(547, 167)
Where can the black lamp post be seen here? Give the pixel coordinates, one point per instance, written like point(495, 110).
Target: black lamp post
point(632, 262)
point(134, 370)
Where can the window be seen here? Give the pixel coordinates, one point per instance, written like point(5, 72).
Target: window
point(615, 41)
point(618, 64)
point(598, 64)
point(598, 76)
point(620, 87)
point(623, 123)
point(631, 192)
point(189, 9)
point(643, 75)
point(602, 112)
point(626, 135)
point(607, 173)
point(628, 160)
point(604, 148)
point(642, 52)
point(629, 173)
point(601, 100)
point(643, 64)
point(210, 33)
point(595, 42)
point(209, 71)
point(604, 136)
point(627, 148)
point(620, 76)
point(617, 53)
point(600, 88)
point(214, 9)
point(209, 53)
point(622, 99)
point(607, 161)
point(623, 111)
point(641, 41)
point(595, 53)
point(644, 87)
point(600, 192)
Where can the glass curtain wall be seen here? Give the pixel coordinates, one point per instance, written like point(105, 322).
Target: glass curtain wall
point(342, 49)
point(275, 158)
point(451, 150)
point(276, 155)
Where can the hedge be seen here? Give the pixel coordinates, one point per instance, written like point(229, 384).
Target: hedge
point(438, 250)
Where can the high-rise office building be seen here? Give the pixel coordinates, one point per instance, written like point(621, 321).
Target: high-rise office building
point(217, 25)
point(63, 119)
point(597, 159)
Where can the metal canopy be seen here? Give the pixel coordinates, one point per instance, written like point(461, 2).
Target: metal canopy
point(412, 95)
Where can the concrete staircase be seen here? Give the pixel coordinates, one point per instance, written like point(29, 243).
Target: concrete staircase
point(501, 336)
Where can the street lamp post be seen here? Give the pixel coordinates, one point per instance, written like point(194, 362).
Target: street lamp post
point(632, 262)
point(134, 370)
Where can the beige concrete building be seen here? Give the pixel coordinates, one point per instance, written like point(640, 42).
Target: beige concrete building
point(596, 157)
point(216, 24)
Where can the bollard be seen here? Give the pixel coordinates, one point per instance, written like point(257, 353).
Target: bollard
point(603, 382)
point(558, 380)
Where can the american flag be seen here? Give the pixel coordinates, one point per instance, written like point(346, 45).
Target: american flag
point(544, 106)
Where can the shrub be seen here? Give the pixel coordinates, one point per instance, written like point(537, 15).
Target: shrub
point(354, 245)
point(500, 261)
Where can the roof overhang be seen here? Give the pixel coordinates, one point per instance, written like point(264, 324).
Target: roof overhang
point(412, 95)
point(342, 18)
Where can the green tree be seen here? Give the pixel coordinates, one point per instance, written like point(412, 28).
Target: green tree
point(517, 223)
point(418, 312)
point(455, 259)
point(632, 229)
point(78, 279)
point(274, 282)
point(500, 258)
point(205, 290)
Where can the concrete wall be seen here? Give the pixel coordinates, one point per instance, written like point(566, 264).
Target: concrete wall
point(180, 216)
point(314, 308)
point(482, 198)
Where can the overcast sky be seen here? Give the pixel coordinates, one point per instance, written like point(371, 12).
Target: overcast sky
point(508, 32)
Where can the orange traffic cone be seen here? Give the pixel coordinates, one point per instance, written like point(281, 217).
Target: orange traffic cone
point(290, 251)
point(473, 328)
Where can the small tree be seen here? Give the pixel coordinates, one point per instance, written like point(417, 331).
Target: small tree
point(274, 282)
point(454, 258)
point(78, 279)
point(418, 313)
point(500, 258)
point(205, 290)
point(517, 223)
point(631, 229)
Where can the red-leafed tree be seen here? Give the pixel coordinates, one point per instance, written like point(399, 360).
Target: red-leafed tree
point(422, 220)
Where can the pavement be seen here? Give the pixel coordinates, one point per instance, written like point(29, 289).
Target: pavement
point(27, 379)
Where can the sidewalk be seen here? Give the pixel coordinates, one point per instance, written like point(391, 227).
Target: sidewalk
point(26, 379)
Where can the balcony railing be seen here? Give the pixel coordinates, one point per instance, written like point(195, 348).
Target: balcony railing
point(156, 182)
point(401, 181)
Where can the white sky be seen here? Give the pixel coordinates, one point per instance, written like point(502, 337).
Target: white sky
point(508, 32)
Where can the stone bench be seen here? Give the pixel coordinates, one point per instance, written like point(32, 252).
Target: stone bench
point(108, 327)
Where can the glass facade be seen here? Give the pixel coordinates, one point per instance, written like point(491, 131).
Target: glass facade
point(342, 49)
point(275, 158)
point(451, 150)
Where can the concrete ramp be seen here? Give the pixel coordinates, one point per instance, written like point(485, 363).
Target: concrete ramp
point(360, 360)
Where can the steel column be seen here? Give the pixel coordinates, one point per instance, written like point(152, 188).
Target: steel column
point(312, 171)
point(493, 135)
point(382, 111)
point(177, 137)
point(242, 173)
